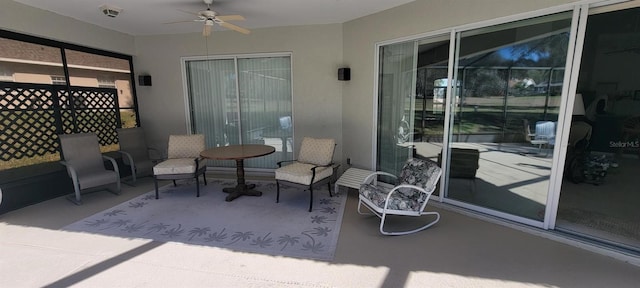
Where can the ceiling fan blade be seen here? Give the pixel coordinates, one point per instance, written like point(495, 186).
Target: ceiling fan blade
point(235, 28)
point(230, 17)
point(206, 31)
point(184, 21)
point(189, 12)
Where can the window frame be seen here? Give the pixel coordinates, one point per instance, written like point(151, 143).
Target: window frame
point(62, 47)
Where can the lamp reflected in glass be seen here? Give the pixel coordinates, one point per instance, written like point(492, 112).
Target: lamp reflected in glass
point(578, 106)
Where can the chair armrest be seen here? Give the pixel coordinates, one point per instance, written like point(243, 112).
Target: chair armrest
point(386, 201)
point(374, 176)
point(285, 161)
point(71, 170)
point(126, 154)
point(114, 163)
point(198, 160)
point(318, 166)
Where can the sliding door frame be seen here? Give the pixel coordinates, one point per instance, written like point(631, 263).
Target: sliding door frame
point(579, 11)
point(236, 58)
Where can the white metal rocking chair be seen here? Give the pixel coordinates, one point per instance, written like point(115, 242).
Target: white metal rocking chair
point(409, 197)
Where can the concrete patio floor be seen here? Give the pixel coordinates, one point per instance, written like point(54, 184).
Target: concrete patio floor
point(459, 251)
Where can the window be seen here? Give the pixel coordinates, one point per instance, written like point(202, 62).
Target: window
point(106, 82)
point(242, 100)
point(58, 80)
point(5, 74)
point(38, 102)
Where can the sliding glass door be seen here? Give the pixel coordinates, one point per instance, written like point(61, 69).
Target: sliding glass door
point(599, 197)
point(504, 120)
point(485, 104)
point(525, 124)
point(411, 101)
point(242, 100)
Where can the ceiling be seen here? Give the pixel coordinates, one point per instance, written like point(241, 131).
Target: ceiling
point(148, 17)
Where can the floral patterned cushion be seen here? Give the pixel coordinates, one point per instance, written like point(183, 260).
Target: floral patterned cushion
point(398, 201)
point(421, 173)
point(417, 172)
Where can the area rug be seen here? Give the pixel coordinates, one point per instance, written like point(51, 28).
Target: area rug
point(249, 224)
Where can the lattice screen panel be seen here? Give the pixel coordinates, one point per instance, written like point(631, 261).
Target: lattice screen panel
point(32, 115)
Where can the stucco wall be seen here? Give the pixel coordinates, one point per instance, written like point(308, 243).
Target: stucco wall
point(316, 56)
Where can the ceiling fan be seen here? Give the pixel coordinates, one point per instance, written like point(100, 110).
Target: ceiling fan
point(210, 17)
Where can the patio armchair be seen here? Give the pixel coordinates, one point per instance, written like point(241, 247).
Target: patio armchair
point(135, 152)
point(415, 184)
point(314, 166)
point(85, 164)
point(544, 136)
point(183, 161)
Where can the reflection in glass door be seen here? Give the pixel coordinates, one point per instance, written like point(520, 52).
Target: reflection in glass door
point(509, 80)
point(599, 197)
point(411, 102)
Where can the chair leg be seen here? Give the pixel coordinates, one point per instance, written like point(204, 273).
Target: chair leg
point(310, 197)
point(133, 174)
point(329, 184)
point(277, 191)
point(197, 187)
point(204, 177)
point(75, 199)
point(360, 204)
point(155, 182)
point(174, 183)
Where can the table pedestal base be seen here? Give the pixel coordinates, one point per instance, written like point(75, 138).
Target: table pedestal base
point(241, 190)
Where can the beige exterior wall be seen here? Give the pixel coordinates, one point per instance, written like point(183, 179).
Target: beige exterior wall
point(316, 56)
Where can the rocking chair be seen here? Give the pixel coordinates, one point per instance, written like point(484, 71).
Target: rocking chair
point(416, 183)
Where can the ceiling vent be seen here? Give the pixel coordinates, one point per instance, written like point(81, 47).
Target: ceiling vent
point(110, 11)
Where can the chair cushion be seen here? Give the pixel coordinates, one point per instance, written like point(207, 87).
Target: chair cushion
point(421, 173)
point(96, 177)
point(175, 166)
point(316, 151)
point(398, 201)
point(132, 141)
point(301, 173)
point(185, 146)
point(82, 151)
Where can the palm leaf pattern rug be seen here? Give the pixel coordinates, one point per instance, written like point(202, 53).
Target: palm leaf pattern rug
point(249, 224)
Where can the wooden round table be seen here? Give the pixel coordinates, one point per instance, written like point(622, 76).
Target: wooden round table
point(239, 153)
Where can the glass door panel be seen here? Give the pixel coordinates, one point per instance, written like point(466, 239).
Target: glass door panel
point(411, 104)
point(509, 80)
point(265, 105)
point(599, 196)
point(396, 101)
point(213, 103)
